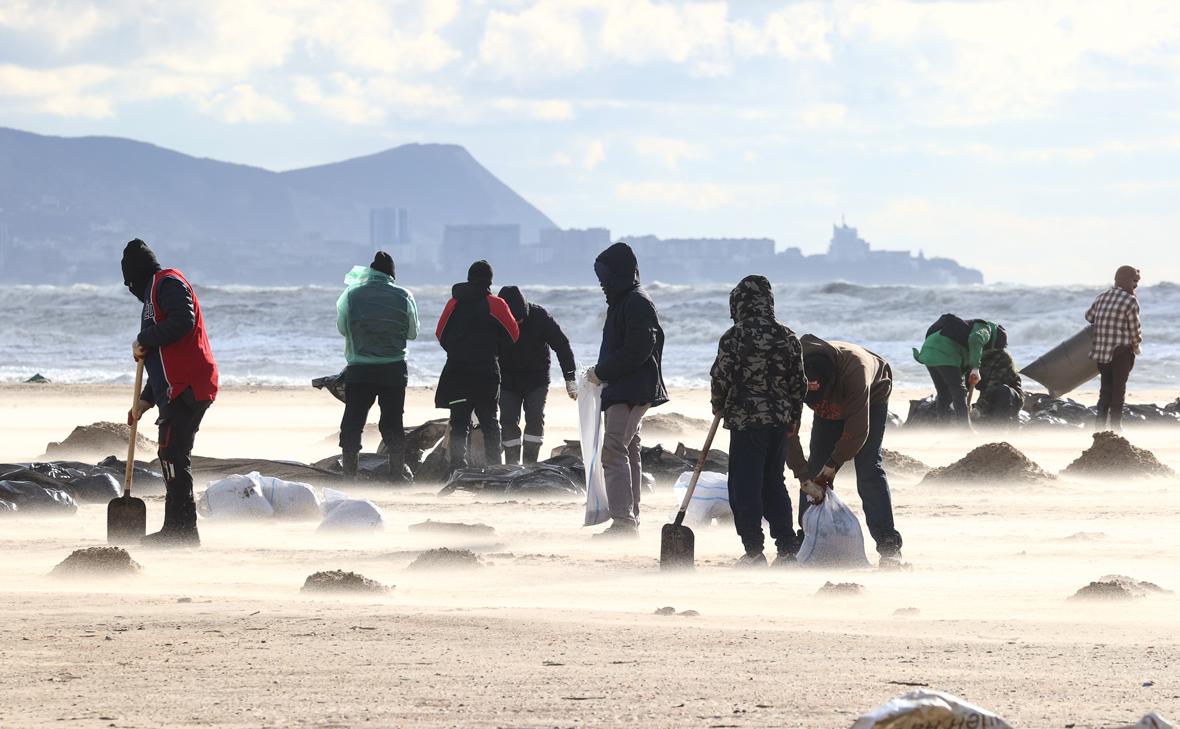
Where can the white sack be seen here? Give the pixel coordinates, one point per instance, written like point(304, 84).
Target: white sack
point(351, 514)
point(923, 708)
point(590, 421)
point(235, 497)
point(289, 499)
point(832, 535)
point(710, 499)
point(1151, 721)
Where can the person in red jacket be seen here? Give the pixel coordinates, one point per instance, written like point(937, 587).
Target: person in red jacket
point(473, 326)
point(182, 381)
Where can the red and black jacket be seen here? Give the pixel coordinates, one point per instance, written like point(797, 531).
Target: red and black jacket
point(173, 331)
point(472, 328)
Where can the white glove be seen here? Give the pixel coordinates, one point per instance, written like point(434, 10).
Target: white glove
point(814, 491)
point(826, 475)
point(973, 378)
point(593, 377)
point(571, 389)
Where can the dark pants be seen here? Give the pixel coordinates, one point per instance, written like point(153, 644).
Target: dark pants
point(871, 483)
point(758, 489)
point(533, 404)
point(179, 422)
point(489, 426)
point(358, 400)
point(1113, 393)
point(951, 392)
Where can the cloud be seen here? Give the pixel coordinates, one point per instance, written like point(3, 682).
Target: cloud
point(594, 154)
point(545, 39)
point(70, 91)
point(370, 100)
point(61, 25)
point(537, 109)
point(669, 151)
point(242, 103)
point(696, 196)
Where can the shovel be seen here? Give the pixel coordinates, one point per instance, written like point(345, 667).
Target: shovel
point(126, 516)
point(677, 542)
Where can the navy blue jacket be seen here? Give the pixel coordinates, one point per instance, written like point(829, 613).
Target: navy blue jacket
point(630, 358)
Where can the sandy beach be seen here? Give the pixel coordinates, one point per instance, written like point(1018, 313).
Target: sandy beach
point(556, 630)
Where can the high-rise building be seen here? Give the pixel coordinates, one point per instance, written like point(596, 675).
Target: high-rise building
point(495, 242)
point(389, 228)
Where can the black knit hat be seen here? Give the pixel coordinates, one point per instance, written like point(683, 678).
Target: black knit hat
point(480, 273)
point(382, 262)
point(139, 265)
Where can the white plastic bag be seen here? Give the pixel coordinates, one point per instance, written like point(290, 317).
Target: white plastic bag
point(1151, 721)
point(832, 535)
point(289, 499)
point(351, 514)
point(590, 421)
point(924, 708)
point(235, 497)
point(710, 499)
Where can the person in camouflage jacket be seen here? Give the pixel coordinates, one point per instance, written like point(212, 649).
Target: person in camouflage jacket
point(1001, 391)
point(758, 386)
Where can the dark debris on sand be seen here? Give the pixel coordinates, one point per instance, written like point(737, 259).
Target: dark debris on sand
point(1118, 587)
point(446, 559)
point(341, 581)
point(97, 562)
point(992, 462)
point(840, 589)
point(1112, 454)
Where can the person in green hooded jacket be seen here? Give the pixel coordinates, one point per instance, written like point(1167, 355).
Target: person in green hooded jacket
point(953, 352)
point(376, 317)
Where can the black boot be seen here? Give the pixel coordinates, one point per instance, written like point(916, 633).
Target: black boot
point(398, 472)
point(531, 452)
point(348, 461)
point(512, 455)
point(180, 524)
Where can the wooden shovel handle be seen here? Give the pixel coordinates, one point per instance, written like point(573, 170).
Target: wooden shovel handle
point(127, 476)
point(696, 474)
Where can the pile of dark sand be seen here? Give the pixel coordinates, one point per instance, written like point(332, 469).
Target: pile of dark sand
point(1117, 587)
point(1112, 454)
point(453, 527)
point(902, 464)
point(101, 439)
point(992, 462)
point(97, 562)
point(341, 581)
point(840, 589)
point(446, 559)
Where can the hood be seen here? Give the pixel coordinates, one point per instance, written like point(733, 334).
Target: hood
point(467, 291)
point(617, 270)
point(752, 298)
point(139, 266)
point(819, 365)
point(363, 274)
point(516, 302)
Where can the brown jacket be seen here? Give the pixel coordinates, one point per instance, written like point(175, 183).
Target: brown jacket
point(861, 379)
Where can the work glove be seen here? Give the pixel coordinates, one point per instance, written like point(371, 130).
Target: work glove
point(826, 476)
point(592, 376)
point(571, 389)
point(135, 413)
point(137, 350)
point(973, 378)
point(814, 491)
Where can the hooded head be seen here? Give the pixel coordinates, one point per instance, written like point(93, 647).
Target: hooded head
point(1127, 278)
point(480, 274)
point(617, 270)
point(820, 372)
point(383, 262)
point(752, 298)
point(514, 297)
point(999, 338)
point(139, 266)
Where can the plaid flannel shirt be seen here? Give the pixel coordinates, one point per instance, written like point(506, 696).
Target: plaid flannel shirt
point(1115, 316)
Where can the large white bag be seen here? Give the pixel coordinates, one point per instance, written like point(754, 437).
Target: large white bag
point(925, 708)
point(709, 501)
point(590, 421)
point(235, 497)
point(344, 514)
point(832, 535)
point(289, 499)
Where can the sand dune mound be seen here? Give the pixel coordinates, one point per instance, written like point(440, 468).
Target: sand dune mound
point(1111, 453)
point(901, 463)
point(673, 424)
point(446, 559)
point(341, 581)
point(840, 589)
point(101, 439)
point(994, 462)
point(97, 562)
point(1117, 587)
point(452, 527)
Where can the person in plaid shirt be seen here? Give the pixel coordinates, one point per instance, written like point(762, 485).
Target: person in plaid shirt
point(1117, 339)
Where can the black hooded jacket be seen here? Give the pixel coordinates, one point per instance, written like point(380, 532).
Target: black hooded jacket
point(524, 366)
point(471, 328)
point(630, 358)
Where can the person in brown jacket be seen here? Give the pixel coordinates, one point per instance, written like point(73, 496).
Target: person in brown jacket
point(848, 390)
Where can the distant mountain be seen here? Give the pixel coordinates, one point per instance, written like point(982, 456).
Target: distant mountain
point(68, 204)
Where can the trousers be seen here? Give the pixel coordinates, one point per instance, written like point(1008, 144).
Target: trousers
point(179, 422)
point(1112, 394)
point(485, 413)
point(358, 401)
point(622, 462)
point(758, 488)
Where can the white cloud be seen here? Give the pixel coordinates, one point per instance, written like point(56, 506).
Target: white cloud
point(70, 91)
point(58, 24)
point(545, 39)
point(696, 196)
point(669, 151)
point(369, 101)
point(537, 109)
point(594, 154)
point(242, 103)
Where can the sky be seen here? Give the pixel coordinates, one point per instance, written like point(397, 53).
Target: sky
point(1036, 140)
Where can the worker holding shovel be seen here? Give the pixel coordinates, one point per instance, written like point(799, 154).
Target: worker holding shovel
point(182, 381)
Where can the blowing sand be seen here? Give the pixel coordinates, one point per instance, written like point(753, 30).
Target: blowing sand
point(557, 630)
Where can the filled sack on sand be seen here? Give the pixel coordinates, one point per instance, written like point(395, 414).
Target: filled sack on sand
point(33, 498)
point(344, 514)
point(831, 535)
point(710, 500)
point(536, 478)
point(208, 468)
point(289, 499)
point(234, 497)
point(923, 709)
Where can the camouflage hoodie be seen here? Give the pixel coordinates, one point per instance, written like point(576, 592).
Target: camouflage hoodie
point(757, 378)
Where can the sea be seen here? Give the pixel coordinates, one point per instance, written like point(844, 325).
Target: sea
point(287, 335)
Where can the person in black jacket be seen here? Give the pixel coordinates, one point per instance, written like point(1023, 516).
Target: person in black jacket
point(471, 329)
point(629, 368)
point(524, 373)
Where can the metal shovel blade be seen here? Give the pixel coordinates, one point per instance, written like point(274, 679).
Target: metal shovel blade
point(677, 547)
point(126, 520)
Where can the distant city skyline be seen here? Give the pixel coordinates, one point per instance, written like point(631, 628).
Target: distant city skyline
point(1032, 140)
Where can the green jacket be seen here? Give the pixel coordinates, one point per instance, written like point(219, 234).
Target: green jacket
point(376, 317)
point(940, 351)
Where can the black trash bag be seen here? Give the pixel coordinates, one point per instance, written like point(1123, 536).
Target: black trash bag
point(664, 465)
point(533, 479)
point(25, 472)
point(142, 472)
point(369, 467)
point(1152, 414)
point(421, 439)
point(568, 448)
point(7, 507)
point(62, 470)
point(718, 460)
point(34, 498)
point(1072, 412)
point(98, 488)
point(923, 412)
point(334, 384)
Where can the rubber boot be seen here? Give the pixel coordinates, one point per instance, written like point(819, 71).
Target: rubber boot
point(512, 455)
point(348, 460)
point(180, 524)
point(398, 473)
point(531, 452)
